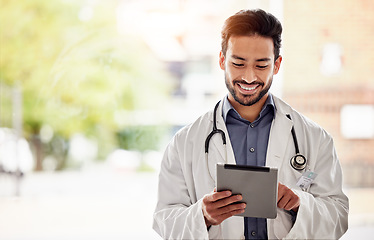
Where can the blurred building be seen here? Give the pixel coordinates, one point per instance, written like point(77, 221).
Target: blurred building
point(329, 51)
point(325, 74)
point(187, 39)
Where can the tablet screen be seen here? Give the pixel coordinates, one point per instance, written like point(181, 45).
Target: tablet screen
point(257, 185)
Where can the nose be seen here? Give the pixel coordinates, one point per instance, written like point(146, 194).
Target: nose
point(249, 76)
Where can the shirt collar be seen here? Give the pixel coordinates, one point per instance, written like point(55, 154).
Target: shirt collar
point(226, 107)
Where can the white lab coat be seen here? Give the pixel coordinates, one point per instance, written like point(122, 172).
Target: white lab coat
point(184, 180)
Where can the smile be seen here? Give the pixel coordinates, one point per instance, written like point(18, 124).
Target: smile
point(248, 88)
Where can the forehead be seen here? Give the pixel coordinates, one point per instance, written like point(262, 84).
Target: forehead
point(250, 47)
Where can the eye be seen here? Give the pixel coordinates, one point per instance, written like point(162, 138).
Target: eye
point(262, 67)
point(237, 64)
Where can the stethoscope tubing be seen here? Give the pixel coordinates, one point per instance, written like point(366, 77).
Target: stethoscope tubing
point(215, 130)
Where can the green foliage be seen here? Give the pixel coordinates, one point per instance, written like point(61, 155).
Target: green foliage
point(75, 74)
point(141, 138)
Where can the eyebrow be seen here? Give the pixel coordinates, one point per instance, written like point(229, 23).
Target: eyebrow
point(239, 58)
point(257, 60)
point(263, 60)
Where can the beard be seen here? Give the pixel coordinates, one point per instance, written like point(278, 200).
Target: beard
point(247, 100)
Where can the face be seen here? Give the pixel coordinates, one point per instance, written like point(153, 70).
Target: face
point(249, 68)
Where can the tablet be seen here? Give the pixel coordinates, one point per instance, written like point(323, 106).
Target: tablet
point(257, 185)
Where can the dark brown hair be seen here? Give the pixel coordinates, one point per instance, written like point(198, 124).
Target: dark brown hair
point(252, 22)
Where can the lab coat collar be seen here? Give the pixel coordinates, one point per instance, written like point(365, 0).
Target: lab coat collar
point(280, 133)
point(226, 107)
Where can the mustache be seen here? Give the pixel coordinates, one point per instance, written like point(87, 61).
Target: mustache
point(244, 82)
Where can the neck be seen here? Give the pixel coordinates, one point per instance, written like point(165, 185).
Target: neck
point(249, 113)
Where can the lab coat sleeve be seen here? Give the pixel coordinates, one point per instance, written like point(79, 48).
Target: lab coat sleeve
point(178, 215)
point(323, 211)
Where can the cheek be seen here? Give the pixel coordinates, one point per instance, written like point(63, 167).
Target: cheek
point(232, 73)
point(265, 76)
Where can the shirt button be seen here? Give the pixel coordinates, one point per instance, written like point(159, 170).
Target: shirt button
point(252, 125)
point(251, 150)
point(253, 233)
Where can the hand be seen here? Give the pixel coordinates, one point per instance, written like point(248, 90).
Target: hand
point(219, 206)
point(287, 199)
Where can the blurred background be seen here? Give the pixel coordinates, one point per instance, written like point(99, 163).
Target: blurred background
point(91, 91)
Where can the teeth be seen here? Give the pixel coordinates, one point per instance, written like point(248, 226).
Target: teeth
point(248, 89)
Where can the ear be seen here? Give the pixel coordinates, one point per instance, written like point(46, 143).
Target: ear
point(221, 60)
point(277, 64)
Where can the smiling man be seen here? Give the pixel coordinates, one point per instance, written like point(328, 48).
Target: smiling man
point(249, 67)
point(262, 130)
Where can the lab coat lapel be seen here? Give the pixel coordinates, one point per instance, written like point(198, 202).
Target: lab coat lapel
point(279, 138)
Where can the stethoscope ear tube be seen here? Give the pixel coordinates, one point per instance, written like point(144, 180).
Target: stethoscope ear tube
point(207, 140)
point(215, 130)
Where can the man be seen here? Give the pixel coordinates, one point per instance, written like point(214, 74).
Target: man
point(258, 128)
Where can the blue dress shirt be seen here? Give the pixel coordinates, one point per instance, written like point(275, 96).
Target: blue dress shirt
point(249, 142)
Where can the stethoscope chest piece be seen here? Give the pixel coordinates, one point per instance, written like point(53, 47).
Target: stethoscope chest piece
point(298, 162)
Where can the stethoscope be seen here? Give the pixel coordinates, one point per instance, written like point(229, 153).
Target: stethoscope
point(214, 131)
point(298, 162)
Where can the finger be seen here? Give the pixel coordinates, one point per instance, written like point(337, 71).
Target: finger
point(227, 201)
point(288, 205)
point(219, 195)
point(215, 196)
point(223, 213)
point(224, 216)
point(231, 208)
point(293, 203)
point(283, 201)
point(234, 212)
point(281, 190)
point(288, 199)
point(214, 215)
point(222, 206)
